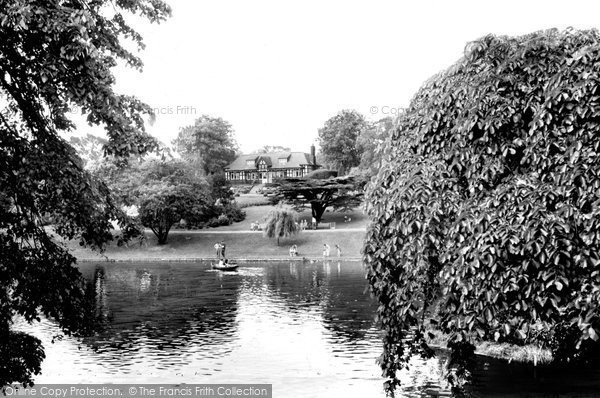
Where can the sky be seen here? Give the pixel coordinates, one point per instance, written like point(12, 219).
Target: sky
point(277, 70)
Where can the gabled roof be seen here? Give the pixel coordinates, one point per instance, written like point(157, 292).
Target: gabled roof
point(293, 160)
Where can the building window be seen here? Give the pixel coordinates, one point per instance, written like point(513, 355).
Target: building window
point(282, 161)
point(250, 162)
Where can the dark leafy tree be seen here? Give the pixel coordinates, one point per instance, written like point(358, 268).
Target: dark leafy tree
point(165, 192)
point(209, 142)
point(90, 149)
point(320, 190)
point(220, 188)
point(280, 224)
point(162, 205)
point(338, 140)
point(485, 212)
point(54, 56)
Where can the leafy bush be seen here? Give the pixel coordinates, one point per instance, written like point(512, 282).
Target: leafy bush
point(321, 174)
point(235, 213)
point(488, 201)
point(223, 215)
point(220, 221)
point(252, 200)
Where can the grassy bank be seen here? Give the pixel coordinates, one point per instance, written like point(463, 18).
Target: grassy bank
point(509, 352)
point(240, 245)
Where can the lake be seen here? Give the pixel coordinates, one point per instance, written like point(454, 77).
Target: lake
point(306, 328)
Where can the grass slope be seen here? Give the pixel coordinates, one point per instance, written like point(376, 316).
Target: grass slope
point(240, 245)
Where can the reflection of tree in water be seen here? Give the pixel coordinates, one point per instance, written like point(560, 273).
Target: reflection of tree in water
point(336, 289)
point(161, 308)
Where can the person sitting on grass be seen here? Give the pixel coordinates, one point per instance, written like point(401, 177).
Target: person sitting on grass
point(293, 251)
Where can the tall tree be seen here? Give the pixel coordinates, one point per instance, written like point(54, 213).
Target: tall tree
point(209, 142)
point(54, 56)
point(338, 140)
point(280, 224)
point(370, 144)
point(273, 148)
point(485, 212)
point(320, 190)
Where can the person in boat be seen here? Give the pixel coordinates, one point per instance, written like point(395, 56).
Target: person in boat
point(223, 262)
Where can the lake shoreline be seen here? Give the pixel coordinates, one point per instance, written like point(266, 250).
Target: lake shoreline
point(251, 248)
point(241, 246)
point(309, 260)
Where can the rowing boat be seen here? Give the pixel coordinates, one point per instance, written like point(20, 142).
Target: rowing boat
point(225, 267)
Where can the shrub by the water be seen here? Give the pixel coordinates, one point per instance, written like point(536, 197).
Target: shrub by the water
point(486, 209)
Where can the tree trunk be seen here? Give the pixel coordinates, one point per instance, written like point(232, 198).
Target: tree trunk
point(317, 211)
point(162, 237)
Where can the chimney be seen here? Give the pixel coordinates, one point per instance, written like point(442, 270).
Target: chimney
point(313, 157)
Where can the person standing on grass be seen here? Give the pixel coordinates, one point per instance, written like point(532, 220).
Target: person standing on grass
point(325, 250)
point(339, 250)
point(223, 248)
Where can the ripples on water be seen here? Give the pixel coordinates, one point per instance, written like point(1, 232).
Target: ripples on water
point(307, 329)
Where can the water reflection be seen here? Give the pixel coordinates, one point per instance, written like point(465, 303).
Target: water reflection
point(307, 328)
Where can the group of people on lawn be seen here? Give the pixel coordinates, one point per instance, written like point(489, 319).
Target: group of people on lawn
point(221, 246)
point(302, 225)
point(326, 250)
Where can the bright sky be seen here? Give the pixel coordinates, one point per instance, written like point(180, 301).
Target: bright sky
point(277, 70)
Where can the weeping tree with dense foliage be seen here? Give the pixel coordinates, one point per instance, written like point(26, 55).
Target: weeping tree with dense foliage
point(485, 214)
point(280, 224)
point(56, 56)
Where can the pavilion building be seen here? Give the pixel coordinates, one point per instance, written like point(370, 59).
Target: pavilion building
point(266, 167)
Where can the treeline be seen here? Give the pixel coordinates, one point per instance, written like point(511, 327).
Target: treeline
point(350, 144)
point(162, 192)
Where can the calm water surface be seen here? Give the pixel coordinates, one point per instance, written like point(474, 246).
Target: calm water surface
point(307, 329)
